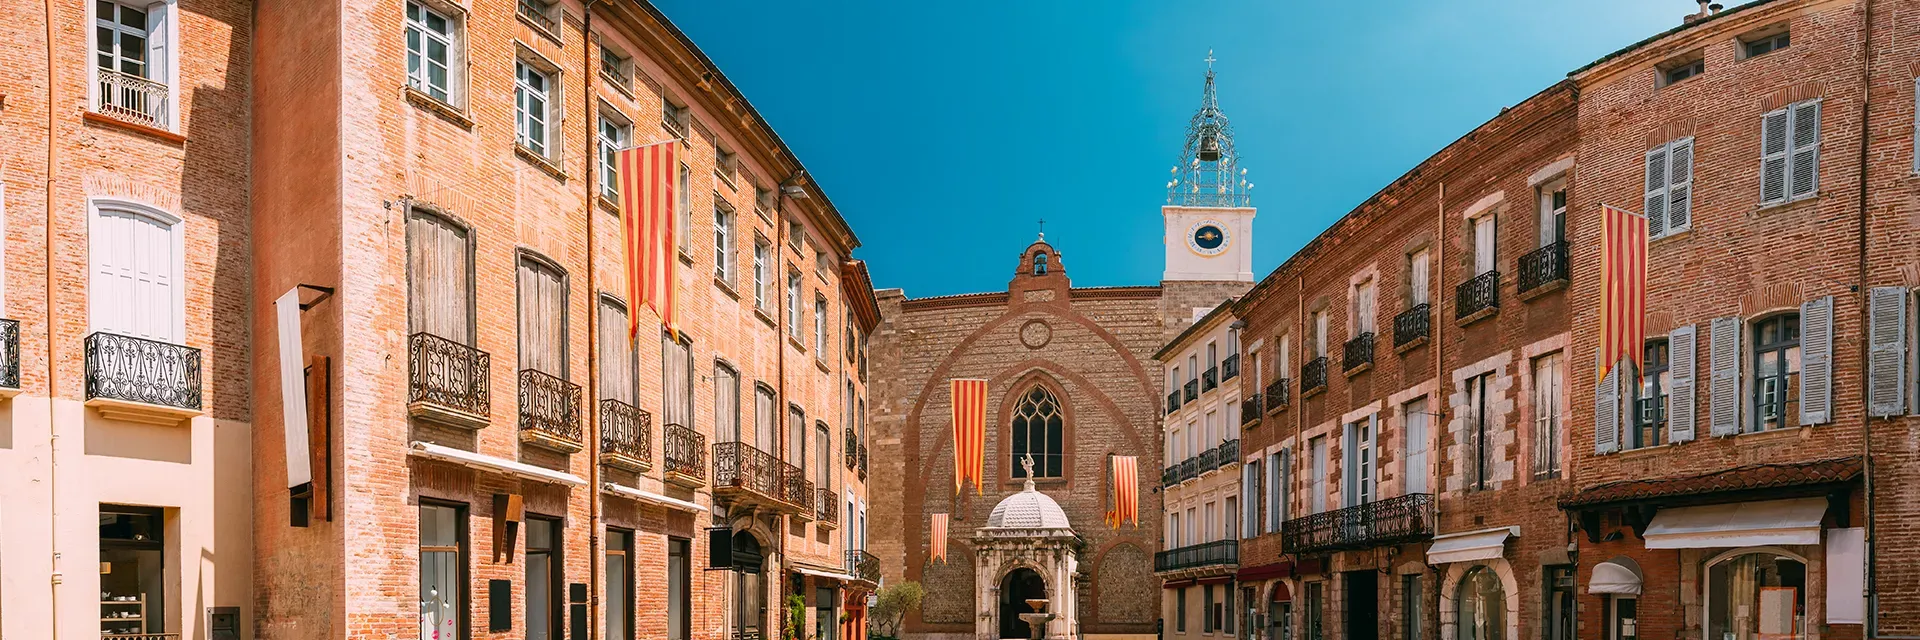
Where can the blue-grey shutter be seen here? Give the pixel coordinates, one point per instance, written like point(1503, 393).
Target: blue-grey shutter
point(1249, 498)
point(1679, 185)
point(1804, 165)
point(1887, 351)
point(1723, 388)
point(1680, 367)
point(1816, 361)
point(1284, 505)
point(1373, 447)
point(1277, 489)
point(1656, 200)
point(1773, 156)
point(1606, 413)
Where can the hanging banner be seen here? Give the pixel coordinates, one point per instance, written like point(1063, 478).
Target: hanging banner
point(969, 433)
point(940, 538)
point(1124, 478)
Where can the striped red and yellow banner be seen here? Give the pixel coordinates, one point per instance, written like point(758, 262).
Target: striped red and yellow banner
point(645, 180)
point(1623, 287)
point(1125, 478)
point(969, 433)
point(940, 538)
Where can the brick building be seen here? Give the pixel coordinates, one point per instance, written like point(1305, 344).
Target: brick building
point(1200, 480)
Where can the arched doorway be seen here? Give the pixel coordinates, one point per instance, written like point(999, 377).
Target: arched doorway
point(1280, 613)
point(1016, 589)
point(750, 587)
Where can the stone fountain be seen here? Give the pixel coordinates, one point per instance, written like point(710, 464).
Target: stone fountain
point(1037, 621)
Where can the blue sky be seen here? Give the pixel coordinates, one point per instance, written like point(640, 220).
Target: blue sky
point(943, 131)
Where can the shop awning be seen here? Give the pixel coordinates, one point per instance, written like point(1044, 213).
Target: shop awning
point(820, 573)
point(491, 463)
point(1485, 544)
point(649, 496)
point(1618, 576)
point(1738, 524)
point(1279, 569)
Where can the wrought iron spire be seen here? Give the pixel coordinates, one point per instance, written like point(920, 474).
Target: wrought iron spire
point(1208, 174)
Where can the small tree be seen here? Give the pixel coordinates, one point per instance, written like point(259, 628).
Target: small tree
point(895, 602)
point(796, 617)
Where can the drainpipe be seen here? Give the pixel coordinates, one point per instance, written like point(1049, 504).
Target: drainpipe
point(594, 557)
point(1870, 592)
point(53, 380)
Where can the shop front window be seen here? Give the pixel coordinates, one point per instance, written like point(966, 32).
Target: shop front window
point(1483, 606)
point(132, 570)
point(1754, 595)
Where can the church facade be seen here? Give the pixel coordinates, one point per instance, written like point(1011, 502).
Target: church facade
point(1071, 381)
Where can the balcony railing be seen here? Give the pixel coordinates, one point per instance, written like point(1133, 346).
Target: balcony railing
point(1313, 376)
point(1229, 452)
point(611, 69)
point(1170, 476)
point(139, 636)
point(131, 98)
point(862, 565)
point(140, 370)
point(1358, 353)
point(1224, 454)
point(1543, 266)
point(1476, 296)
point(1230, 367)
point(1210, 379)
point(852, 449)
point(1173, 401)
point(9, 354)
point(448, 374)
point(685, 451)
point(1416, 323)
point(549, 411)
point(1277, 394)
point(1250, 409)
point(739, 467)
point(1206, 554)
point(1207, 461)
point(796, 489)
point(1407, 518)
point(536, 12)
point(626, 436)
point(826, 507)
point(863, 462)
point(1193, 390)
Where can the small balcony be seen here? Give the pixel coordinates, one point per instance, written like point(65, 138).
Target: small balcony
point(797, 490)
point(1407, 518)
point(1173, 402)
point(611, 70)
point(685, 453)
point(852, 448)
point(1192, 390)
point(1228, 453)
point(1412, 327)
point(1230, 368)
point(537, 12)
point(1277, 395)
point(863, 462)
point(447, 382)
point(139, 636)
point(1250, 410)
point(1543, 270)
point(746, 476)
point(1220, 553)
point(549, 412)
point(826, 509)
point(9, 357)
point(1477, 298)
point(132, 99)
point(1170, 476)
point(1206, 462)
point(141, 380)
point(1313, 376)
point(626, 436)
point(1210, 379)
point(1357, 354)
point(863, 566)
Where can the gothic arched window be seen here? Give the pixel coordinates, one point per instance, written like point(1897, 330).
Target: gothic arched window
point(1037, 423)
point(1040, 263)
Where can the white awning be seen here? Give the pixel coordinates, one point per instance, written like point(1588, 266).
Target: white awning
point(490, 463)
point(804, 570)
point(1739, 524)
point(649, 496)
point(1485, 544)
point(1614, 577)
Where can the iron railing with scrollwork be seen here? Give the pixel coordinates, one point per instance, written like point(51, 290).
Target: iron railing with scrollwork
point(1209, 379)
point(1358, 352)
point(1407, 518)
point(1170, 476)
point(141, 370)
point(852, 449)
point(1207, 461)
point(1230, 367)
point(131, 98)
point(1278, 394)
point(1193, 390)
point(862, 565)
point(1206, 554)
point(826, 506)
point(863, 462)
point(1482, 293)
point(1543, 266)
point(550, 406)
point(1250, 409)
point(1229, 452)
point(740, 465)
point(447, 373)
point(9, 354)
point(626, 430)
point(1313, 376)
point(1413, 324)
point(685, 451)
point(795, 488)
point(1173, 401)
point(139, 636)
point(536, 12)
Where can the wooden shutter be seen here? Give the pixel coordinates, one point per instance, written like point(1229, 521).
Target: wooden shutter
point(1680, 185)
point(677, 367)
point(159, 61)
point(133, 276)
point(1723, 388)
point(1887, 351)
point(1418, 268)
point(1804, 165)
point(439, 293)
point(1680, 366)
point(1773, 156)
point(1483, 243)
point(764, 419)
point(543, 329)
point(1249, 498)
point(616, 355)
point(1606, 413)
point(1816, 361)
point(726, 404)
point(1276, 489)
point(1656, 200)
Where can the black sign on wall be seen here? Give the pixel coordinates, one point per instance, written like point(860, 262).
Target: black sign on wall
point(577, 594)
point(499, 605)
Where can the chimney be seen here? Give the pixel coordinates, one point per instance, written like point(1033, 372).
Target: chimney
point(1716, 7)
point(1704, 12)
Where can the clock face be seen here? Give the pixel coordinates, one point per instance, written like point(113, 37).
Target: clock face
point(1208, 238)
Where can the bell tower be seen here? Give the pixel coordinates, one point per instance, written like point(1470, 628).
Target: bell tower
point(1209, 210)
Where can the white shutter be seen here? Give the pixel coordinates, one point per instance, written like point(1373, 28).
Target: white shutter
point(1373, 457)
point(1773, 156)
point(1887, 348)
point(1606, 413)
point(1723, 388)
point(1250, 499)
point(1680, 185)
point(1656, 200)
point(1680, 366)
point(1816, 361)
point(133, 276)
point(616, 355)
point(1804, 174)
point(1483, 239)
point(1416, 447)
point(1419, 276)
point(1276, 489)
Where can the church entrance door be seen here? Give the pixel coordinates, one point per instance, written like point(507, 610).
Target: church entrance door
point(1019, 587)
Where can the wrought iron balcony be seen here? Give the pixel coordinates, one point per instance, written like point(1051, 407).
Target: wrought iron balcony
point(1170, 476)
point(1543, 267)
point(1477, 298)
point(863, 462)
point(852, 449)
point(796, 489)
point(1229, 453)
point(1210, 379)
point(685, 451)
point(1189, 468)
point(126, 369)
point(1250, 409)
point(535, 11)
point(1413, 325)
point(1230, 367)
point(448, 381)
point(1173, 401)
point(1277, 394)
point(1358, 353)
point(131, 98)
point(743, 474)
point(138, 636)
point(826, 508)
point(626, 436)
point(1193, 390)
point(549, 412)
point(1313, 376)
point(1220, 553)
point(863, 566)
point(1207, 461)
point(610, 69)
point(1408, 518)
point(9, 354)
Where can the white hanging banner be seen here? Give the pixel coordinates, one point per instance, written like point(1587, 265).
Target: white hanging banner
point(293, 388)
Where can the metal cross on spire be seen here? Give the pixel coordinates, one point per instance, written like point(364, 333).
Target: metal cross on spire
point(1209, 60)
point(1043, 228)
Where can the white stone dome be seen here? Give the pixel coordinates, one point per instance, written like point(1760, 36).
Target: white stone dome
point(1028, 509)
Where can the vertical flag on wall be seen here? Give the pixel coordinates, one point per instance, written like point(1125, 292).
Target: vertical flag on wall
point(969, 433)
point(645, 176)
point(1623, 286)
point(940, 537)
point(1125, 478)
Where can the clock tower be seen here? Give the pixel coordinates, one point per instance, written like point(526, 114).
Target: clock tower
point(1209, 210)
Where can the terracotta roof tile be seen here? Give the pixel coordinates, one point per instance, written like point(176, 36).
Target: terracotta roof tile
point(1759, 476)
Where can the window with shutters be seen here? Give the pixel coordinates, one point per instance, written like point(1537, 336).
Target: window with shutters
point(1549, 419)
point(1887, 332)
point(1359, 473)
point(1417, 470)
point(1669, 188)
point(1038, 425)
point(1318, 326)
point(436, 44)
point(618, 364)
point(726, 403)
point(133, 62)
point(1790, 152)
point(796, 454)
point(823, 455)
point(137, 272)
point(1479, 447)
point(1553, 212)
point(820, 329)
point(683, 212)
point(676, 400)
point(762, 273)
point(1776, 372)
point(1650, 401)
point(439, 277)
point(794, 329)
point(1276, 489)
point(675, 118)
point(1482, 232)
point(1317, 474)
point(536, 106)
point(1363, 307)
point(1418, 292)
point(543, 316)
point(723, 242)
point(1250, 495)
point(766, 418)
point(616, 133)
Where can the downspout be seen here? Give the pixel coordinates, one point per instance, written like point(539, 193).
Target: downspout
point(1869, 592)
point(594, 557)
point(53, 379)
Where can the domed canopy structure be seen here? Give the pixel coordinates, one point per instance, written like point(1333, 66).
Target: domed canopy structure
point(1028, 509)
